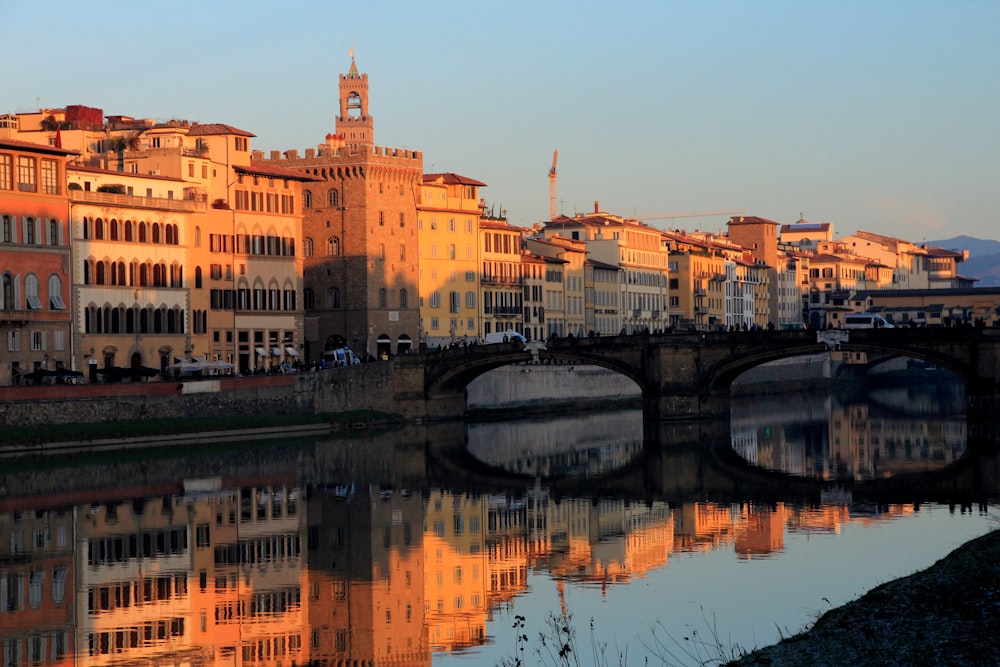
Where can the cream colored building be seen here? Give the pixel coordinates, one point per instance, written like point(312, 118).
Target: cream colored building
point(635, 248)
point(573, 320)
point(500, 276)
point(131, 271)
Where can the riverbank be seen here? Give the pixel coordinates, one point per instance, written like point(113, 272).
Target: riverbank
point(948, 614)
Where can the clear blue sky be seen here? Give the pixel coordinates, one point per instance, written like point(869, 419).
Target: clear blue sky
point(883, 116)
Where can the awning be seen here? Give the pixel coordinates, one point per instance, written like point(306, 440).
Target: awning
point(291, 352)
point(261, 352)
point(276, 352)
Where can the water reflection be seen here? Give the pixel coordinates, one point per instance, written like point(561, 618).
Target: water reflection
point(586, 445)
point(354, 552)
point(844, 435)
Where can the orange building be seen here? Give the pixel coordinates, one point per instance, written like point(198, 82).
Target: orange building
point(35, 314)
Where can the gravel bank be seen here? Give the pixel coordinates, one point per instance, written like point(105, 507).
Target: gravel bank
point(948, 614)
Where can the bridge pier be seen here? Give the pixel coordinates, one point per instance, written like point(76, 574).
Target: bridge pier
point(685, 406)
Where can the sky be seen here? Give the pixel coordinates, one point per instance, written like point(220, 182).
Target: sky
point(882, 116)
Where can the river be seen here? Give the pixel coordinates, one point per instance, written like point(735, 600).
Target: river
point(442, 544)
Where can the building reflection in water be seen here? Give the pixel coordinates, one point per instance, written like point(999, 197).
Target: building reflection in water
point(836, 437)
point(272, 565)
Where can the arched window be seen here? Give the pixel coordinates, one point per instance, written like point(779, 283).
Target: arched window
point(197, 237)
point(129, 234)
point(197, 277)
point(309, 297)
point(332, 246)
point(307, 199)
point(142, 232)
point(382, 298)
point(7, 296)
point(98, 229)
point(53, 232)
point(8, 230)
point(307, 246)
point(99, 276)
point(332, 298)
point(156, 232)
point(55, 293)
point(332, 198)
point(403, 298)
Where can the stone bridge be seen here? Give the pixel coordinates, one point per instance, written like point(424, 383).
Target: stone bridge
point(688, 375)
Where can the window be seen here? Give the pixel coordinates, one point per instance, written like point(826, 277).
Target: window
point(403, 298)
point(55, 294)
point(50, 177)
point(455, 302)
point(31, 293)
point(402, 252)
point(381, 218)
point(37, 341)
point(307, 199)
point(381, 251)
point(332, 246)
point(402, 219)
point(382, 298)
point(26, 170)
point(332, 198)
point(307, 247)
point(470, 299)
point(8, 230)
point(435, 300)
point(6, 172)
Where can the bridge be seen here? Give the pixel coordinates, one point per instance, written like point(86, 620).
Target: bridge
point(688, 375)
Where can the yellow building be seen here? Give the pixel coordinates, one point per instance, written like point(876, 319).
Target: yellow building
point(449, 281)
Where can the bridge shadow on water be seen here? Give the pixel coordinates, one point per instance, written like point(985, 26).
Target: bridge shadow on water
point(694, 461)
point(678, 462)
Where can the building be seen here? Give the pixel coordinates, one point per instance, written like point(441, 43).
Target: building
point(637, 250)
point(35, 313)
point(359, 222)
point(566, 313)
point(130, 237)
point(500, 276)
point(448, 220)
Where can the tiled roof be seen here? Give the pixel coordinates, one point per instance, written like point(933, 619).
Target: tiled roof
point(17, 144)
point(451, 179)
point(603, 265)
point(208, 129)
point(806, 227)
point(750, 219)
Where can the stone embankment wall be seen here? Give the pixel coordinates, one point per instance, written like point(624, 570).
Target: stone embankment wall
point(365, 387)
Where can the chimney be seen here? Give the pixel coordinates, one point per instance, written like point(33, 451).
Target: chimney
point(597, 207)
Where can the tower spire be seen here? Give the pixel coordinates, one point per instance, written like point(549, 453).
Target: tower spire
point(353, 71)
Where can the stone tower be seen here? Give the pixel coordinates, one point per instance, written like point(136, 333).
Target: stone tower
point(359, 235)
point(354, 124)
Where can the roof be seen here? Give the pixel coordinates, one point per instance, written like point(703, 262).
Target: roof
point(750, 220)
point(931, 291)
point(603, 265)
point(17, 144)
point(451, 179)
point(806, 227)
point(263, 168)
point(208, 129)
point(115, 172)
point(489, 223)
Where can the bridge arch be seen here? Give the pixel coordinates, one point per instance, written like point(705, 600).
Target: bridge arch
point(454, 369)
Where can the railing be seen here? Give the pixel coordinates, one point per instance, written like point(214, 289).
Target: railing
point(132, 201)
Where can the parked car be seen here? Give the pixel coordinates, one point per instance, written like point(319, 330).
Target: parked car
point(504, 337)
point(343, 356)
point(866, 321)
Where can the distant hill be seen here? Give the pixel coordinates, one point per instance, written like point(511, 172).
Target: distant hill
point(984, 258)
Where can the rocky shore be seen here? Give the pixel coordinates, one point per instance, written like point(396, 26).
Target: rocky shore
point(948, 614)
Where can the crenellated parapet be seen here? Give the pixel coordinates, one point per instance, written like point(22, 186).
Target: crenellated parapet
point(333, 160)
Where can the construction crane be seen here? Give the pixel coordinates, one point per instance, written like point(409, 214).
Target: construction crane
point(696, 214)
point(552, 186)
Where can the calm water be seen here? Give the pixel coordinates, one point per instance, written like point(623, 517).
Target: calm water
point(425, 546)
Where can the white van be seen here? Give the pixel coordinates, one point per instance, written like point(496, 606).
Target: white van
point(866, 321)
point(341, 357)
point(504, 337)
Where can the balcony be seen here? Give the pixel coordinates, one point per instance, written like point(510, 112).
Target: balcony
point(131, 201)
point(16, 316)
